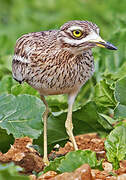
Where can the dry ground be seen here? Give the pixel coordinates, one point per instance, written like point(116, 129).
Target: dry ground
point(21, 153)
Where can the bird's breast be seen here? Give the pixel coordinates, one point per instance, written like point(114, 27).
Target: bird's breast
point(63, 77)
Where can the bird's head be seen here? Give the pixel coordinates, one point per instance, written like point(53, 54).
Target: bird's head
point(82, 35)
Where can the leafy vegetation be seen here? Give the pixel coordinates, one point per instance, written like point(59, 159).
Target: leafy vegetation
point(19, 116)
point(11, 172)
point(116, 145)
point(101, 102)
point(72, 161)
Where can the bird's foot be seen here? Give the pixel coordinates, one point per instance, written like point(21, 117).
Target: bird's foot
point(75, 147)
point(46, 161)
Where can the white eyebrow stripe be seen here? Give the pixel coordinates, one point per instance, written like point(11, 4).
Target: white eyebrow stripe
point(21, 59)
point(91, 37)
point(75, 28)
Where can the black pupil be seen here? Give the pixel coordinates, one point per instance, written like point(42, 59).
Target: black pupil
point(77, 32)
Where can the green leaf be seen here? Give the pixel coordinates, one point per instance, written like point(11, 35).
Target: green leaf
point(87, 120)
point(3, 72)
point(120, 73)
point(57, 103)
point(5, 84)
point(53, 165)
point(120, 91)
point(120, 94)
point(5, 140)
point(108, 118)
point(23, 89)
point(104, 95)
point(11, 172)
point(120, 112)
point(21, 115)
point(72, 161)
point(5, 65)
point(112, 61)
point(115, 145)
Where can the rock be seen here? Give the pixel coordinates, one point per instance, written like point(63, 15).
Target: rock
point(121, 177)
point(82, 173)
point(107, 166)
point(47, 175)
point(32, 177)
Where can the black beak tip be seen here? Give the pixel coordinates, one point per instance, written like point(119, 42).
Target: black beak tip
point(110, 46)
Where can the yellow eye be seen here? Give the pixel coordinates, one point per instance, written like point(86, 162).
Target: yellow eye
point(77, 33)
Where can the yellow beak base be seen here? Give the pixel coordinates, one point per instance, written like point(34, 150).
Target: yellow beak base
point(100, 45)
point(107, 45)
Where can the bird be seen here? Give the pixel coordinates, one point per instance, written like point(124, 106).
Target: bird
point(58, 62)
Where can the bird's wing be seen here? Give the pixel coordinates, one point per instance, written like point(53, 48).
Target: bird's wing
point(28, 49)
point(33, 50)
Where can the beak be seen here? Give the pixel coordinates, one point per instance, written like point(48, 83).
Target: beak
point(98, 41)
point(101, 43)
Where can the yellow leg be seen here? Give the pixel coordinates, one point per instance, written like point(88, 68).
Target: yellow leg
point(45, 117)
point(68, 123)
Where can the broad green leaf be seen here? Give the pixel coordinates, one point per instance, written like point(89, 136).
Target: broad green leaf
point(120, 94)
point(120, 112)
point(88, 120)
point(56, 103)
point(5, 140)
point(120, 91)
point(11, 172)
point(53, 165)
point(115, 145)
point(72, 161)
point(21, 115)
point(23, 89)
point(104, 95)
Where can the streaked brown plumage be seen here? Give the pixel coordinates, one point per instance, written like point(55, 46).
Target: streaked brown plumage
point(58, 62)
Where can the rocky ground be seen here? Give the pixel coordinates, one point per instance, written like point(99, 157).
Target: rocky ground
point(22, 154)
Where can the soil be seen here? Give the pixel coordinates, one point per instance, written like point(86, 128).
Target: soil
point(23, 154)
